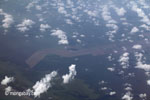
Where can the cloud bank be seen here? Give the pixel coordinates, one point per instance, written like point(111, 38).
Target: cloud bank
point(72, 73)
point(25, 25)
point(61, 35)
point(44, 84)
point(7, 80)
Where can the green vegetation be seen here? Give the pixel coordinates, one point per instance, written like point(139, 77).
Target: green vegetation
point(21, 82)
point(75, 90)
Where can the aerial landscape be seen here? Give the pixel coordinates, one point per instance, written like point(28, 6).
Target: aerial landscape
point(74, 50)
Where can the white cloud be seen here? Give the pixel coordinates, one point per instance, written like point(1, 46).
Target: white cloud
point(32, 4)
point(134, 30)
point(25, 25)
point(43, 27)
point(110, 58)
point(68, 21)
point(44, 84)
point(102, 82)
point(78, 40)
point(8, 19)
point(38, 7)
point(131, 74)
point(82, 35)
point(140, 64)
point(112, 93)
point(104, 88)
point(145, 26)
point(62, 10)
point(148, 82)
point(143, 96)
point(140, 13)
point(113, 26)
point(61, 35)
point(124, 60)
point(128, 88)
point(127, 96)
point(105, 14)
point(110, 22)
point(120, 11)
point(91, 13)
point(72, 73)
point(146, 67)
point(111, 69)
point(128, 85)
point(7, 80)
point(137, 46)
